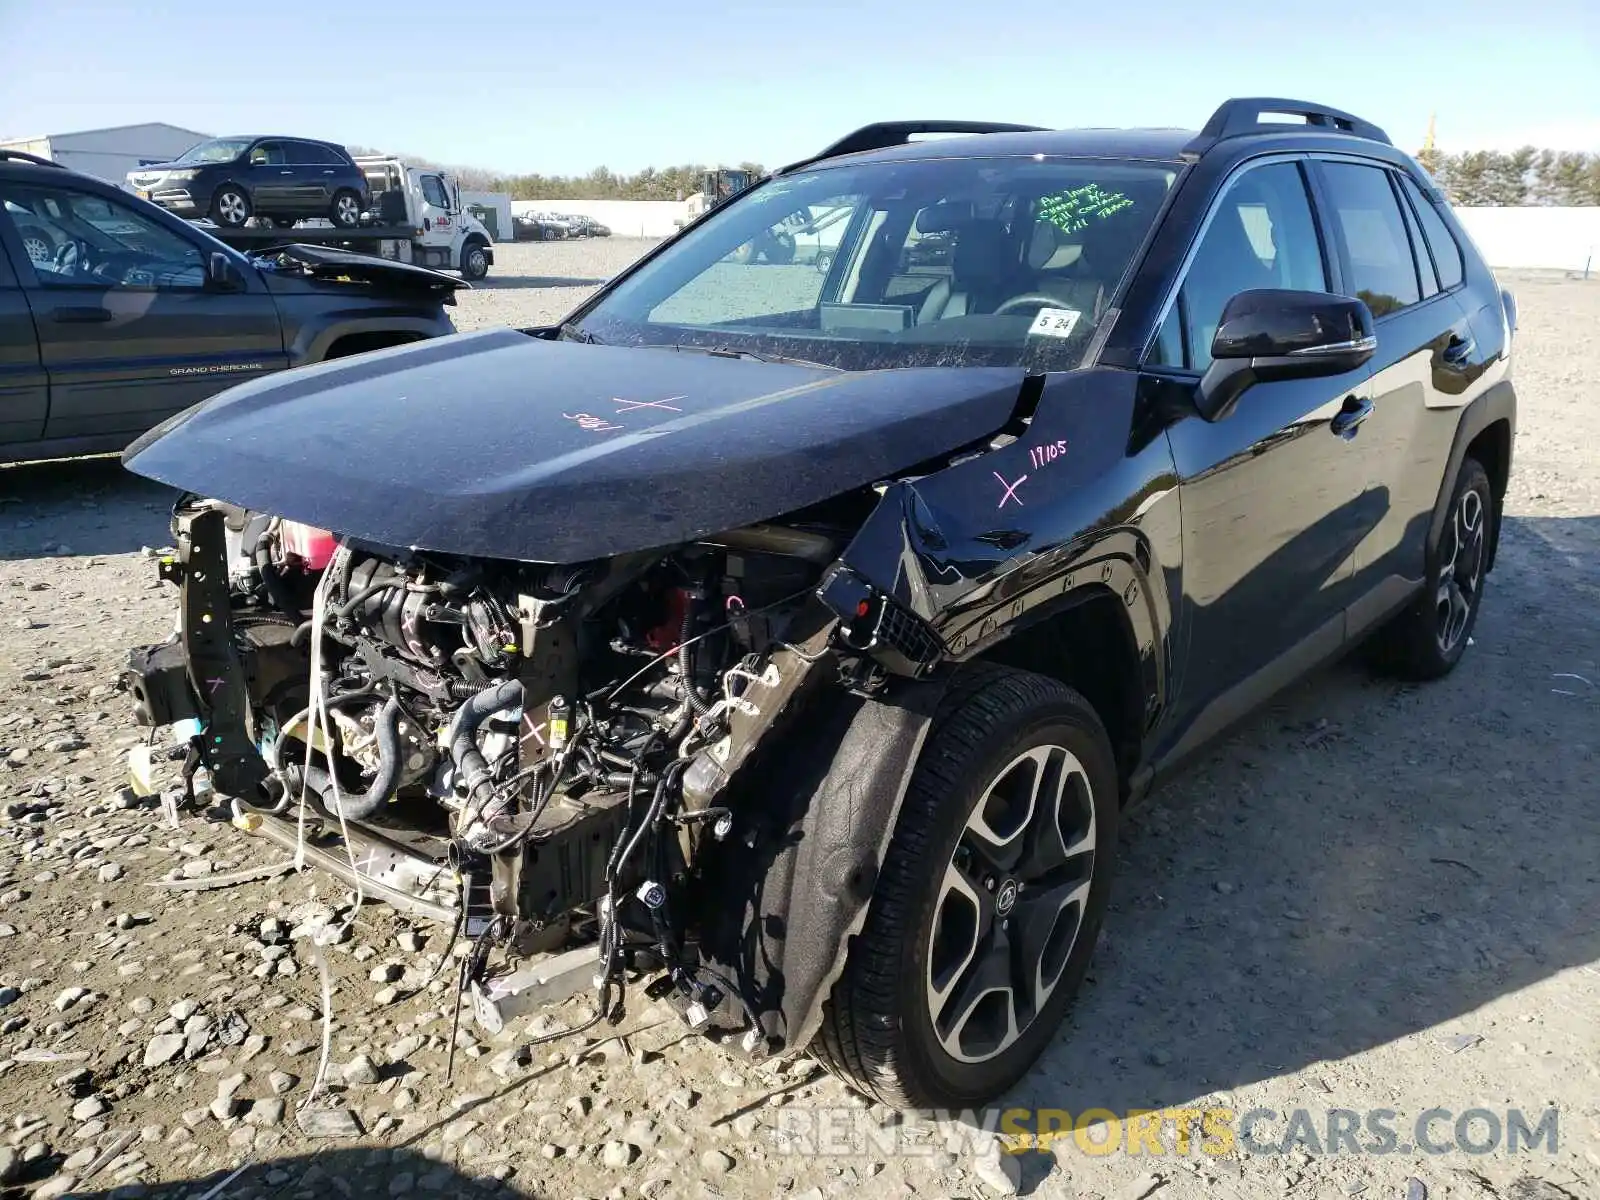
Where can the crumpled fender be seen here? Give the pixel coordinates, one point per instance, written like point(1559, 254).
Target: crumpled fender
point(790, 888)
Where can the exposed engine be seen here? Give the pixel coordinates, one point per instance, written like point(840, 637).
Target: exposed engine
point(542, 745)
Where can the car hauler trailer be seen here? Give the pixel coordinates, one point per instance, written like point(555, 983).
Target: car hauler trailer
point(417, 217)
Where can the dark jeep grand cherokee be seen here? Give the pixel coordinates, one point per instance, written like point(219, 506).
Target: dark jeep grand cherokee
point(799, 638)
point(114, 315)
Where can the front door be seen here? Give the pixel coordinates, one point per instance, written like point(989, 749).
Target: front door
point(129, 331)
point(272, 178)
point(24, 389)
point(438, 221)
point(1272, 495)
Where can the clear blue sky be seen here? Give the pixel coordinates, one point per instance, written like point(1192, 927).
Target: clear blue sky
point(531, 85)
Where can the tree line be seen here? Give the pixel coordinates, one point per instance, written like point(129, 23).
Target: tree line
point(1475, 178)
point(652, 183)
point(1529, 176)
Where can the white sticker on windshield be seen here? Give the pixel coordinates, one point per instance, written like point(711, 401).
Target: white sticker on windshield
point(1054, 322)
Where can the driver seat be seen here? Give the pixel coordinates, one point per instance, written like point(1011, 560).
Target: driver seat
point(981, 270)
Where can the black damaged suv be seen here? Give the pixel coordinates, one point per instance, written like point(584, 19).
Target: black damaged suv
point(796, 639)
point(115, 315)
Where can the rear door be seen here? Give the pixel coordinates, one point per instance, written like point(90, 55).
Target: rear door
point(24, 388)
point(313, 176)
point(1420, 371)
point(129, 332)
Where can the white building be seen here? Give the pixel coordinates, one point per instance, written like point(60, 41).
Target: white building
point(494, 210)
point(110, 154)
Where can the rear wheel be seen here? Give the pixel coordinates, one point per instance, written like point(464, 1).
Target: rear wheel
point(346, 209)
point(1427, 640)
point(989, 903)
point(231, 206)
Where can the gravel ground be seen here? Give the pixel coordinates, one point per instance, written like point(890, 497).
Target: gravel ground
point(1372, 897)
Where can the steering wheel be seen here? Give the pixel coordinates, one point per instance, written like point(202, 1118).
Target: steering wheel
point(1034, 298)
point(67, 257)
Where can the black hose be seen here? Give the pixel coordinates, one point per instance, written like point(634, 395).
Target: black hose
point(462, 736)
point(686, 663)
point(277, 590)
point(343, 611)
point(358, 806)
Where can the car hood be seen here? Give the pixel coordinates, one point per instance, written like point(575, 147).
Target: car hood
point(501, 445)
point(283, 266)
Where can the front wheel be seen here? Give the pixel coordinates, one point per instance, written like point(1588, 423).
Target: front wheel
point(989, 903)
point(1427, 640)
point(474, 261)
point(231, 206)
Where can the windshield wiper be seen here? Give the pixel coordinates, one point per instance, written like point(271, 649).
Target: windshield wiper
point(730, 352)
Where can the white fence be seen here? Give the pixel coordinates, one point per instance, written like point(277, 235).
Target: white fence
point(1563, 238)
point(625, 218)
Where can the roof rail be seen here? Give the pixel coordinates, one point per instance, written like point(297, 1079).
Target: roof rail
point(18, 155)
point(1240, 116)
point(882, 134)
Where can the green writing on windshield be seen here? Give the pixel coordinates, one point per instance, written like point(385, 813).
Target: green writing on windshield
point(1073, 210)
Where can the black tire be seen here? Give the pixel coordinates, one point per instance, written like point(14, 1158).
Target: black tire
point(345, 211)
point(231, 207)
point(474, 260)
point(823, 262)
point(780, 249)
point(1417, 644)
point(878, 1032)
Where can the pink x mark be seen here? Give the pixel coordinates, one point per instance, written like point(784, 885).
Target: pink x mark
point(1011, 489)
point(633, 404)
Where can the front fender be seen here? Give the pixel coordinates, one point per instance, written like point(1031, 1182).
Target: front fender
point(313, 339)
point(786, 893)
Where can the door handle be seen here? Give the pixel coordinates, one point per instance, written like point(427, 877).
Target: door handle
point(1459, 350)
point(1356, 410)
point(80, 316)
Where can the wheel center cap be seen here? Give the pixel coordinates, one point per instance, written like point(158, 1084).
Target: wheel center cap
point(1005, 898)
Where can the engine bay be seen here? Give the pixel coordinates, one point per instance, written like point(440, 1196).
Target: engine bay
point(537, 754)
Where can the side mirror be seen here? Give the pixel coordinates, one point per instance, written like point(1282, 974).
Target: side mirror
point(223, 273)
point(1274, 334)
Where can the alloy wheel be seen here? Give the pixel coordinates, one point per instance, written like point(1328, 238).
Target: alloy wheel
point(38, 250)
point(1011, 903)
point(346, 211)
point(1460, 570)
point(232, 209)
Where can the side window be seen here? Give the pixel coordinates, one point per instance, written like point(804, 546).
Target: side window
point(269, 154)
point(1419, 251)
point(433, 191)
point(1446, 253)
point(1261, 235)
point(78, 239)
point(1368, 217)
